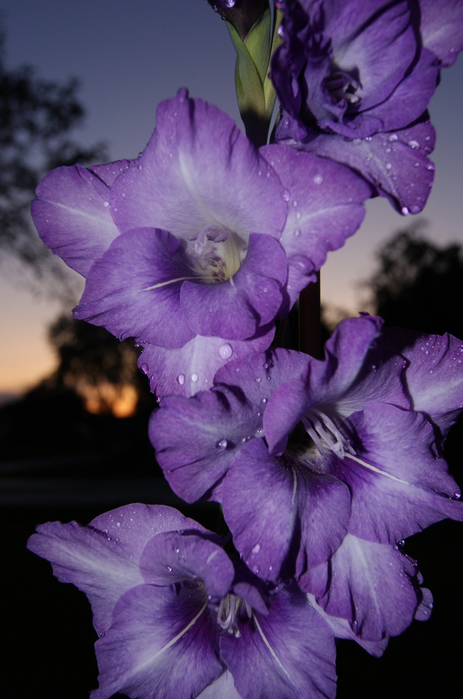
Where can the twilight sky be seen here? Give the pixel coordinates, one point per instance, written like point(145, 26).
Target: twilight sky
point(130, 55)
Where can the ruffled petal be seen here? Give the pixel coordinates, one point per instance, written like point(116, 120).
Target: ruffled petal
point(396, 163)
point(102, 558)
point(399, 486)
point(144, 303)
point(197, 439)
point(325, 207)
point(191, 368)
point(199, 170)
point(434, 375)
point(176, 556)
point(441, 28)
point(374, 586)
point(287, 654)
point(72, 213)
point(273, 506)
point(162, 642)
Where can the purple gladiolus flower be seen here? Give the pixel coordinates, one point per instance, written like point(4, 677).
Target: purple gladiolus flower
point(323, 466)
point(176, 620)
point(355, 80)
point(202, 237)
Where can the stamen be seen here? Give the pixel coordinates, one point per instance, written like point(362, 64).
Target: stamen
point(232, 608)
point(325, 434)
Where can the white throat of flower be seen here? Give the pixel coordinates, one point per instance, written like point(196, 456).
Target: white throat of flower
point(216, 254)
point(230, 609)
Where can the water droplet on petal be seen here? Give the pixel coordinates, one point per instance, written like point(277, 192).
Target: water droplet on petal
point(393, 137)
point(264, 400)
point(414, 144)
point(286, 195)
point(169, 569)
point(256, 549)
point(415, 209)
point(457, 495)
point(318, 179)
point(222, 444)
point(194, 378)
point(144, 368)
point(388, 166)
point(106, 203)
point(258, 379)
point(225, 351)
point(181, 379)
point(405, 210)
point(297, 232)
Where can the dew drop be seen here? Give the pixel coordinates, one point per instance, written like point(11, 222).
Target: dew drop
point(264, 400)
point(388, 166)
point(388, 150)
point(431, 167)
point(225, 351)
point(181, 379)
point(144, 368)
point(297, 232)
point(414, 144)
point(457, 495)
point(416, 164)
point(106, 203)
point(169, 569)
point(266, 365)
point(256, 570)
point(258, 379)
point(318, 179)
point(405, 210)
point(222, 444)
point(393, 137)
point(256, 549)
point(286, 195)
point(194, 378)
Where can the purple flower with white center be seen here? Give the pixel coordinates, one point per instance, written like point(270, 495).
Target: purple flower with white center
point(304, 453)
point(203, 236)
point(355, 79)
point(176, 620)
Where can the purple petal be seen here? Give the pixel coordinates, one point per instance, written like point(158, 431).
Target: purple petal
point(287, 654)
point(371, 585)
point(102, 558)
point(325, 208)
point(398, 485)
point(441, 28)
point(191, 368)
point(395, 163)
point(341, 629)
point(161, 643)
point(434, 375)
point(144, 303)
point(272, 505)
point(378, 39)
point(250, 299)
point(199, 170)
point(197, 439)
point(72, 214)
point(175, 556)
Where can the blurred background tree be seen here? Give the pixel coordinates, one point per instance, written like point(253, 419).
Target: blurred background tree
point(36, 119)
point(418, 285)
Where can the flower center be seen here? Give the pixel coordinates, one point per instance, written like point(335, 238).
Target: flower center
point(325, 434)
point(216, 254)
point(231, 609)
point(342, 88)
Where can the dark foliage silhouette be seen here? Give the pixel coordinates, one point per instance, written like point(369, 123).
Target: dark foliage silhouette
point(36, 119)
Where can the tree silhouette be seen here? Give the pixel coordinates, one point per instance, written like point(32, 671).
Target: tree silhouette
point(96, 365)
point(418, 284)
point(36, 118)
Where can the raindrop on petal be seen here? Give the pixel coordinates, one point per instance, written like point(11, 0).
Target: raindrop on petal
point(225, 351)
